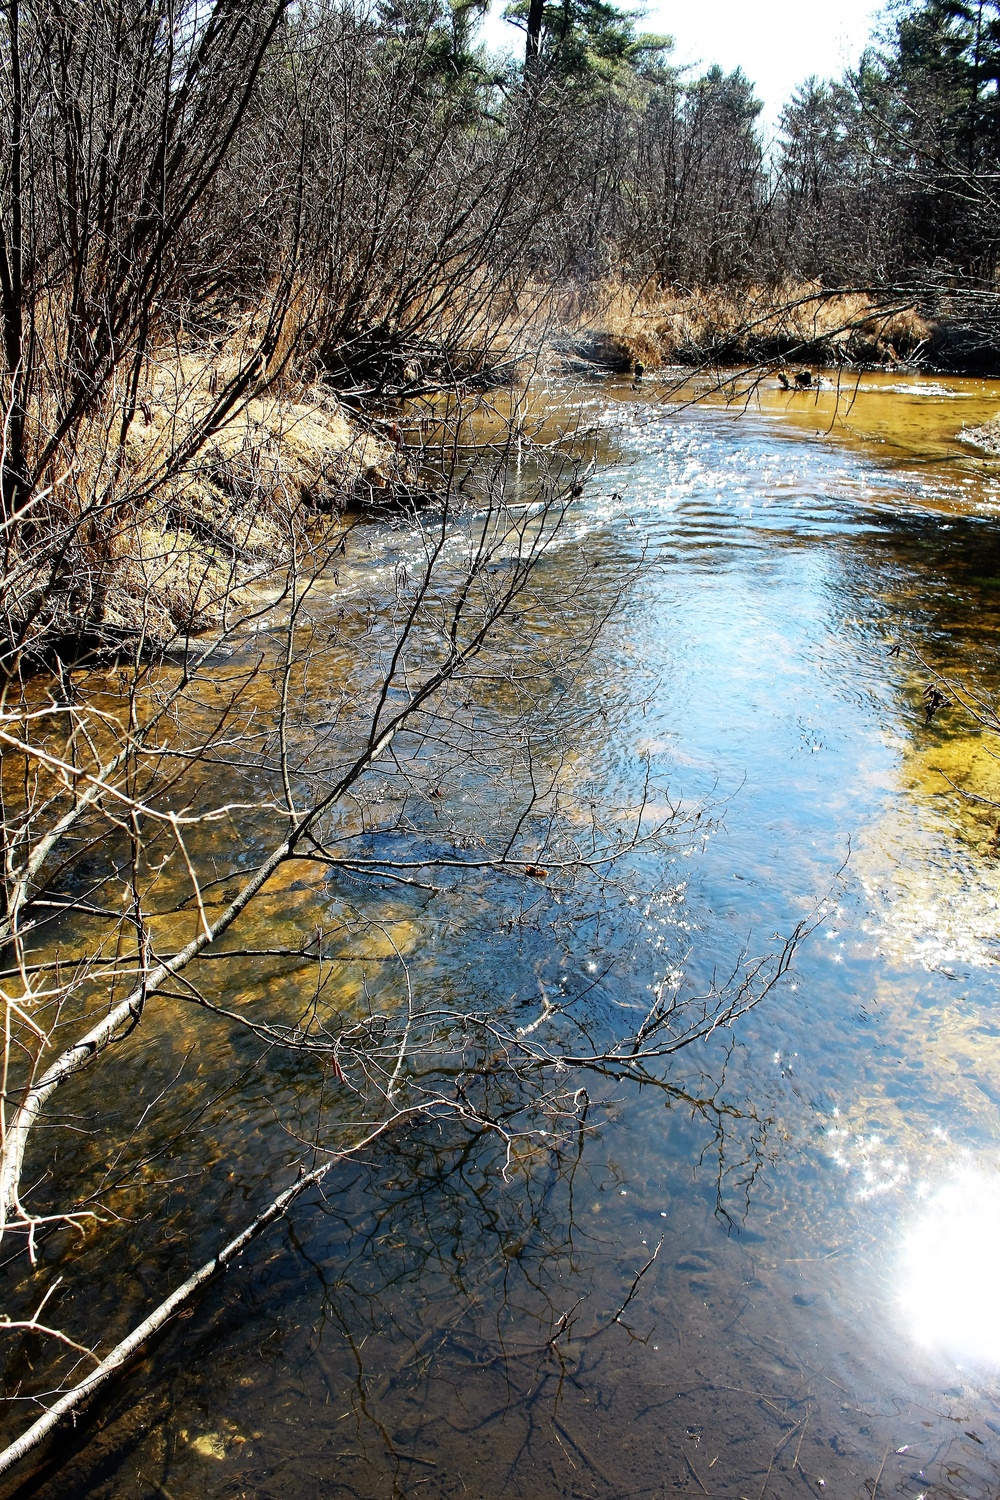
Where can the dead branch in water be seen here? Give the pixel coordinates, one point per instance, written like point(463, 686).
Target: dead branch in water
point(359, 747)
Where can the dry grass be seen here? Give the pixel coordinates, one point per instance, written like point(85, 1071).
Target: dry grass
point(156, 546)
point(163, 532)
point(791, 321)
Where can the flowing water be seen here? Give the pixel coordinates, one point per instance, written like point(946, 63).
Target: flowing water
point(823, 1181)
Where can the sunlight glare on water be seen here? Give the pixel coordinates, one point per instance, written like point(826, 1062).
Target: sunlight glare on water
point(950, 1289)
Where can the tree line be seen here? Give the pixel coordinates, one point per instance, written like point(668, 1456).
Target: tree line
point(364, 194)
point(886, 175)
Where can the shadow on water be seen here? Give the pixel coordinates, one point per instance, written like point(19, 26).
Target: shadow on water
point(768, 1271)
point(432, 1317)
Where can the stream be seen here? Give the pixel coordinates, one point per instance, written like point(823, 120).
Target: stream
point(823, 1181)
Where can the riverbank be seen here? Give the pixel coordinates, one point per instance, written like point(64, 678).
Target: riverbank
point(985, 437)
point(187, 539)
point(799, 322)
point(192, 533)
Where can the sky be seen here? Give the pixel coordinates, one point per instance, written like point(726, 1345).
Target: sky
point(777, 43)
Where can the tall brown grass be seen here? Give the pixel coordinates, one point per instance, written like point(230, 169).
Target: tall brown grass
point(788, 321)
point(162, 532)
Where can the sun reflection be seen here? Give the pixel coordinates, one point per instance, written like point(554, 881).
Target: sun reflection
point(950, 1291)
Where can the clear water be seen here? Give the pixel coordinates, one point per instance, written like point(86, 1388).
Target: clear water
point(823, 1314)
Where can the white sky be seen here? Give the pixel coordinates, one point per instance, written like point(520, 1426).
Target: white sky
point(777, 43)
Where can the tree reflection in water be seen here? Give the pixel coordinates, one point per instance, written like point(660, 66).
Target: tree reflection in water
point(439, 1312)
